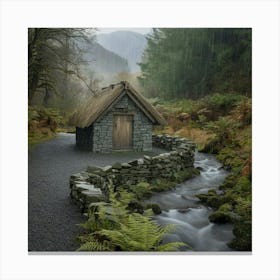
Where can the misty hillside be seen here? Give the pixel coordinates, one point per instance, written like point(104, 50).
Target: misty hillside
point(127, 44)
point(105, 61)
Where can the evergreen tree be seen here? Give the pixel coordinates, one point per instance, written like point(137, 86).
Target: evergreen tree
point(193, 62)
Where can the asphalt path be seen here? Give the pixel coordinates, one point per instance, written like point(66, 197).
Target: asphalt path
point(52, 217)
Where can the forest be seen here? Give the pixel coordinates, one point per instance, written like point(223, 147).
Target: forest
point(191, 63)
point(199, 79)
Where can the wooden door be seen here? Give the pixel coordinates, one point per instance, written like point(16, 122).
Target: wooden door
point(122, 132)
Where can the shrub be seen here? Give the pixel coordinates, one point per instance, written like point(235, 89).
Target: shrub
point(222, 102)
point(243, 184)
point(243, 112)
point(142, 190)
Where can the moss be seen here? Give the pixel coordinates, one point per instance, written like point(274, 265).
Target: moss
point(42, 124)
point(220, 217)
point(243, 184)
point(212, 192)
point(231, 159)
point(185, 174)
point(231, 197)
point(211, 199)
point(155, 207)
point(36, 138)
point(142, 190)
point(160, 185)
point(229, 182)
point(243, 236)
point(215, 201)
point(225, 207)
point(135, 207)
point(202, 197)
point(230, 137)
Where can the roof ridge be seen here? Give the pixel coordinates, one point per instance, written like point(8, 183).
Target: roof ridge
point(95, 106)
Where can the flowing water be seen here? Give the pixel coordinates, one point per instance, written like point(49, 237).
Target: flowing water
point(181, 208)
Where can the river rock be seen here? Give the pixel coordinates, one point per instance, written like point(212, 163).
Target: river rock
point(220, 217)
point(117, 165)
point(93, 169)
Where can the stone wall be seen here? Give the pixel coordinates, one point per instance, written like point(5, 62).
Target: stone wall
point(92, 186)
point(142, 128)
point(84, 137)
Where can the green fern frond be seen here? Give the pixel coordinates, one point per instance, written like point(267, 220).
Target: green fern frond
point(172, 246)
point(140, 233)
point(96, 246)
point(114, 227)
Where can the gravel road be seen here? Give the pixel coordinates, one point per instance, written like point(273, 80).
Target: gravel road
point(52, 216)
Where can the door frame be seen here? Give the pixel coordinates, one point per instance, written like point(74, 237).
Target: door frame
point(132, 114)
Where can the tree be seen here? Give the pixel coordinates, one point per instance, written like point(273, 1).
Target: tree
point(53, 55)
point(193, 62)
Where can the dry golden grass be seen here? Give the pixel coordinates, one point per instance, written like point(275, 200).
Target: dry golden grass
point(199, 136)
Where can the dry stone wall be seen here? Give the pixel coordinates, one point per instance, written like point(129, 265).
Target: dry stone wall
point(91, 186)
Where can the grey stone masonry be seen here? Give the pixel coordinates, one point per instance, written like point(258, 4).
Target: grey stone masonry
point(92, 186)
point(142, 128)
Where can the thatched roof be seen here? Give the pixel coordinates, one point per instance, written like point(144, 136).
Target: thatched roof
point(97, 105)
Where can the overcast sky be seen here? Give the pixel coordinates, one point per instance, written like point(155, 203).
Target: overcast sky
point(139, 30)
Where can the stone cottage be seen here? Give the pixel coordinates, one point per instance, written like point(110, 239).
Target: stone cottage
point(116, 118)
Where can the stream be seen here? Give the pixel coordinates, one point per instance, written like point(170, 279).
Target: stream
point(181, 208)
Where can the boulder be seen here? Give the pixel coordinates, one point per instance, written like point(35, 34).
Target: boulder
point(117, 165)
point(93, 169)
point(135, 207)
point(220, 217)
point(155, 208)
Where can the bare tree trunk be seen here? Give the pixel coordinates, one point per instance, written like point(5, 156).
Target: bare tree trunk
point(66, 67)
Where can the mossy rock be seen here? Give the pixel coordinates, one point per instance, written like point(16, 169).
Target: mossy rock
point(229, 182)
point(231, 197)
point(243, 184)
point(231, 159)
point(212, 192)
point(220, 217)
point(196, 171)
point(215, 201)
point(155, 207)
point(142, 190)
point(243, 236)
point(135, 207)
point(117, 165)
point(225, 207)
point(161, 185)
point(143, 185)
point(185, 174)
point(202, 197)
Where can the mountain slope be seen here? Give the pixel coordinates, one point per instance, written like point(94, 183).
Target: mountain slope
point(127, 44)
point(105, 61)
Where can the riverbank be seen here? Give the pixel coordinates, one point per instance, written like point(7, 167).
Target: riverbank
point(182, 208)
point(221, 125)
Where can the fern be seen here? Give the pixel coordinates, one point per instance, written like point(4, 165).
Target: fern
point(96, 245)
point(114, 228)
point(140, 233)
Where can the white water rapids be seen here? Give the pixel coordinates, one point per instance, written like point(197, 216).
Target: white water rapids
point(181, 208)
